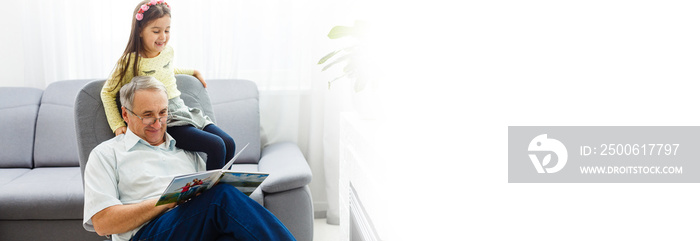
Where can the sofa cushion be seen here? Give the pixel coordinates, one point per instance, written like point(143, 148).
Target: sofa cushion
point(43, 193)
point(287, 167)
point(90, 120)
point(55, 142)
point(18, 110)
point(9, 174)
point(237, 110)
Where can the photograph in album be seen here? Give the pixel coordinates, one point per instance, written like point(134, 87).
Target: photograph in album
point(187, 186)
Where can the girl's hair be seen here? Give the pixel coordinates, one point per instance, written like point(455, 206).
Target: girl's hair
point(134, 46)
point(126, 94)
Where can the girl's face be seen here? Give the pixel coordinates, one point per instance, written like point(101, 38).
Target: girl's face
point(155, 36)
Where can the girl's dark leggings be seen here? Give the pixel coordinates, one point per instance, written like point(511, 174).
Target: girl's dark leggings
point(213, 141)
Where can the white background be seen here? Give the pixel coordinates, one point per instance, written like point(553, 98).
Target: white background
point(473, 69)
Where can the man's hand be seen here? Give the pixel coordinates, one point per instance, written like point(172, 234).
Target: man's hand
point(122, 218)
point(120, 130)
point(199, 76)
point(170, 205)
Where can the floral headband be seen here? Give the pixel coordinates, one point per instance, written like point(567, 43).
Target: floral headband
point(145, 7)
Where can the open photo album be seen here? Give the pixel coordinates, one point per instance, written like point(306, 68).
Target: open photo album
point(187, 186)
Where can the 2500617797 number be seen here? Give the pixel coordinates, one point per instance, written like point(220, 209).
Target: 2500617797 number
point(639, 149)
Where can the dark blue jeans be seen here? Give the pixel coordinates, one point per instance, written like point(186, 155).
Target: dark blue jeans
point(218, 145)
point(222, 213)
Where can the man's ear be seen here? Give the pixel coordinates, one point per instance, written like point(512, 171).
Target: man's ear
point(125, 115)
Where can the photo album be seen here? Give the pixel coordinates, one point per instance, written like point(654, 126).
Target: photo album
point(184, 187)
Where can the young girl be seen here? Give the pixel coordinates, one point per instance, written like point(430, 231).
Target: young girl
point(147, 53)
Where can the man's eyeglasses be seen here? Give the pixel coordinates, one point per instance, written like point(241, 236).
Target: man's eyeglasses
point(151, 120)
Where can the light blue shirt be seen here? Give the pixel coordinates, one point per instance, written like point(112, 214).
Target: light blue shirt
point(126, 170)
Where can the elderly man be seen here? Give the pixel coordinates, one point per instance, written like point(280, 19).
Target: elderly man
point(126, 175)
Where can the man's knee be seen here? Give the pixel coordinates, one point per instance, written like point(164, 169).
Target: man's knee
point(224, 190)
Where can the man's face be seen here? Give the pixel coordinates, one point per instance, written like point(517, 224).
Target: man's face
point(148, 103)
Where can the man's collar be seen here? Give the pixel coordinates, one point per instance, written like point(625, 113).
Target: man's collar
point(131, 139)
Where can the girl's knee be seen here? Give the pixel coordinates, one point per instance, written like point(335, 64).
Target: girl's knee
point(230, 143)
point(213, 143)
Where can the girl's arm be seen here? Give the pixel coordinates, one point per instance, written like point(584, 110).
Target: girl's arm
point(199, 76)
point(192, 72)
point(109, 96)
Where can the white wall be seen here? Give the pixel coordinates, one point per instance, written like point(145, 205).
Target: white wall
point(11, 45)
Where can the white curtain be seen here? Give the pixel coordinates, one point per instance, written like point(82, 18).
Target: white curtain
point(274, 43)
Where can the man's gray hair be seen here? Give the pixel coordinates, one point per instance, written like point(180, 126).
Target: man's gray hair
point(126, 93)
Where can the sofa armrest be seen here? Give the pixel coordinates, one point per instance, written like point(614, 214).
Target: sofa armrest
point(287, 167)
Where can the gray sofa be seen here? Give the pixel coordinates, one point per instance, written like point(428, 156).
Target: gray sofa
point(41, 194)
point(234, 106)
